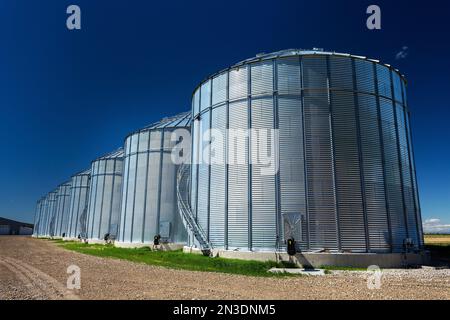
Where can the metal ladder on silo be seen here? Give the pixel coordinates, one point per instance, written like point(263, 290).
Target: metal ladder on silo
point(184, 207)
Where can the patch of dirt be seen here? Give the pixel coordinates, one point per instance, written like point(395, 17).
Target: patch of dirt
point(37, 269)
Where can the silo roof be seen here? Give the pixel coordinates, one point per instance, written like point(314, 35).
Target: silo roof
point(84, 172)
point(294, 52)
point(178, 121)
point(118, 153)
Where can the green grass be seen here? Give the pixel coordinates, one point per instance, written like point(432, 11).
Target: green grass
point(178, 259)
point(337, 268)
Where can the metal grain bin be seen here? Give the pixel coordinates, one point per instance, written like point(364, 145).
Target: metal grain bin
point(50, 214)
point(62, 209)
point(79, 198)
point(103, 212)
point(38, 218)
point(343, 150)
point(149, 202)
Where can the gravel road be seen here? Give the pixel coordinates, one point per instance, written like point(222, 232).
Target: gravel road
point(37, 269)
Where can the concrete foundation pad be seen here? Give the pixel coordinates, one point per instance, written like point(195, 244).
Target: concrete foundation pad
point(300, 271)
point(163, 246)
point(71, 239)
point(316, 260)
point(96, 241)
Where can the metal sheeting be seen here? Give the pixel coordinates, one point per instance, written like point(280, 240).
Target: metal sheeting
point(103, 212)
point(79, 199)
point(37, 217)
point(149, 203)
point(50, 221)
point(323, 227)
point(218, 178)
point(345, 158)
point(263, 220)
point(62, 209)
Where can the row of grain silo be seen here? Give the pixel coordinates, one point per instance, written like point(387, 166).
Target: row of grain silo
point(127, 196)
point(342, 182)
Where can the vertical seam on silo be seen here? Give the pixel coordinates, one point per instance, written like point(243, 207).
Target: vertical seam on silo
point(189, 228)
point(125, 204)
point(158, 213)
point(333, 160)
point(101, 203)
point(410, 161)
point(112, 195)
point(275, 151)
point(78, 212)
point(146, 186)
point(383, 156)
point(360, 156)
point(227, 124)
point(134, 189)
point(305, 170)
point(249, 158)
point(399, 152)
point(208, 224)
point(416, 184)
point(92, 203)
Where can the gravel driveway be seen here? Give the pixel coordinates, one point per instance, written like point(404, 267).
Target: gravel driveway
point(37, 269)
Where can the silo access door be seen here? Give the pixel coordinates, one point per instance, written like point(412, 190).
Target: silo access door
point(292, 225)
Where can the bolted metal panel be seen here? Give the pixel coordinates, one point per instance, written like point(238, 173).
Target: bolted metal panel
point(238, 83)
point(218, 177)
point(397, 87)
point(323, 229)
point(292, 160)
point(263, 221)
point(348, 173)
point(393, 181)
point(407, 185)
point(205, 94)
point(261, 78)
point(289, 76)
point(384, 81)
point(219, 89)
point(238, 177)
point(151, 215)
point(341, 73)
point(365, 77)
point(372, 158)
point(203, 174)
point(315, 72)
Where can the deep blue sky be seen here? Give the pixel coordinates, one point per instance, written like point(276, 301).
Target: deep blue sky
point(67, 97)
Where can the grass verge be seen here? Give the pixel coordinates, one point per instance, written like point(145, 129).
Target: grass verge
point(178, 259)
point(337, 268)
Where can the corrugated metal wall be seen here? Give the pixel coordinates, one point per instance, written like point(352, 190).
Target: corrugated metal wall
point(345, 155)
point(149, 202)
point(62, 209)
point(103, 212)
point(51, 214)
point(79, 199)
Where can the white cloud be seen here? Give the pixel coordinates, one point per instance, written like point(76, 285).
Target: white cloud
point(435, 226)
point(402, 54)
